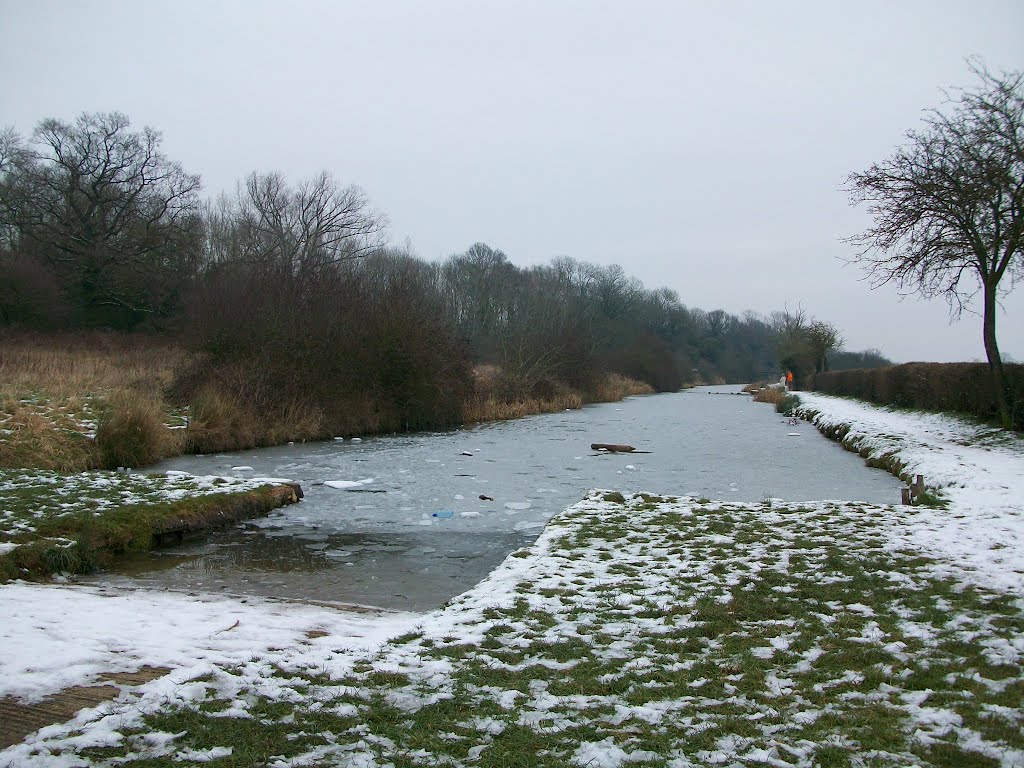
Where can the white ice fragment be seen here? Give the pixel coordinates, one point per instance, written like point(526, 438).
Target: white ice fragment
point(517, 505)
point(244, 468)
point(348, 483)
point(528, 525)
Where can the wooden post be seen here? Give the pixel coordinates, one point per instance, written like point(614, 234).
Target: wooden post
point(906, 498)
point(918, 487)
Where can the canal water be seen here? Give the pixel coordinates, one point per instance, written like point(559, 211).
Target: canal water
point(408, 521)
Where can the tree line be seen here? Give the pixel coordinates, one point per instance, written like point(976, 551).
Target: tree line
point(292, 294)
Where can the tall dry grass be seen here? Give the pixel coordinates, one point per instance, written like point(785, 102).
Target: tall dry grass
point(614, 387)
point(68, 366)
point(220, 421)
point(56, 389)
point(493, 399)
point(31, 440)
point(773, 395)
point(131, 431)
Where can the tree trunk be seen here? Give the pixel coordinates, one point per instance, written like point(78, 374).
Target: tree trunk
point(995, 362)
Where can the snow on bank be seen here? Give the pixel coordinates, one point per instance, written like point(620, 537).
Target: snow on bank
point(978, 469)
point(55, 637)
point(634, 630)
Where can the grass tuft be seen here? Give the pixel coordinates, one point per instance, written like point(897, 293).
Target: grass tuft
point(131, 431)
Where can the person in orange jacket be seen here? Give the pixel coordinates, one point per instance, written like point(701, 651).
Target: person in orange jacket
point(789, 381)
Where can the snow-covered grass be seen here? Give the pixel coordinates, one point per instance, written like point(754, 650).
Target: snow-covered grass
point(76, 414)
point(29, 496)
point(636, 630)
point(53, 513)
point(977, 470)
point(662, 632)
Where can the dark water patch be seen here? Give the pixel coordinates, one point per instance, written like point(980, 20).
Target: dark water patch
point(397, 571)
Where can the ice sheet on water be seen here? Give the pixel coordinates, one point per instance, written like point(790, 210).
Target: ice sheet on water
point(342, 484)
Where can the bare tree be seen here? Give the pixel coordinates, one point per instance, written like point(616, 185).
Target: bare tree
point(823, 339)
point(306, 227)
point(103, 205)
point(948, 208)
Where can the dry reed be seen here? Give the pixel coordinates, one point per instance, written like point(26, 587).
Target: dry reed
point(55, 387)
point(773, 395)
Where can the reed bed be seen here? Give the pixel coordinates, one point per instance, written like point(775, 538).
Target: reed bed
point(85, 401)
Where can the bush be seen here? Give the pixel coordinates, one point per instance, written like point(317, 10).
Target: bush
point(361, 348)
point(951, 387)
point(648, 359)
point(131, 431)
point(787, 405)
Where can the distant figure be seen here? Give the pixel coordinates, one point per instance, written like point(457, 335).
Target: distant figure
point(789, 380)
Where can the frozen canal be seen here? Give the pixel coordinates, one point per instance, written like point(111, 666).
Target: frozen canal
point(408, 521)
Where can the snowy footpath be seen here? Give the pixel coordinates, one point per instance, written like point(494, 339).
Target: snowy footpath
point(641, 630)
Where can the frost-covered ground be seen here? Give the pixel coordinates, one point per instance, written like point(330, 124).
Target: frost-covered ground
point(78, 416)
point(639, 630)
point(30, 498)
point(980, 470)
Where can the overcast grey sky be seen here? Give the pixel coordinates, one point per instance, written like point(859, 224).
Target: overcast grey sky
point(701, 145)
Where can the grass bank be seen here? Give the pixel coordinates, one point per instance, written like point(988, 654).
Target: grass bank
point(52, 523)
point(890, 460)
point(638, 629)
point(78, 402)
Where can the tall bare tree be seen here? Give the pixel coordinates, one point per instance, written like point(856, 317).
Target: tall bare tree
point(948, 208)
point(307, 227)
point(105, 207)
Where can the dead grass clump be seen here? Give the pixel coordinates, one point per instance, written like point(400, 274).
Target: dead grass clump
point(773, 395)
point(33, 441)
point(218, 422)
point(131, 431)
point(477, 409)
point(297, 421)
point(615, 387)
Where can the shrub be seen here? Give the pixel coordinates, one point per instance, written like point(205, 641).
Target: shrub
point(648, 359)
point(787, 405)
point(131, 431)
point(363, 346)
